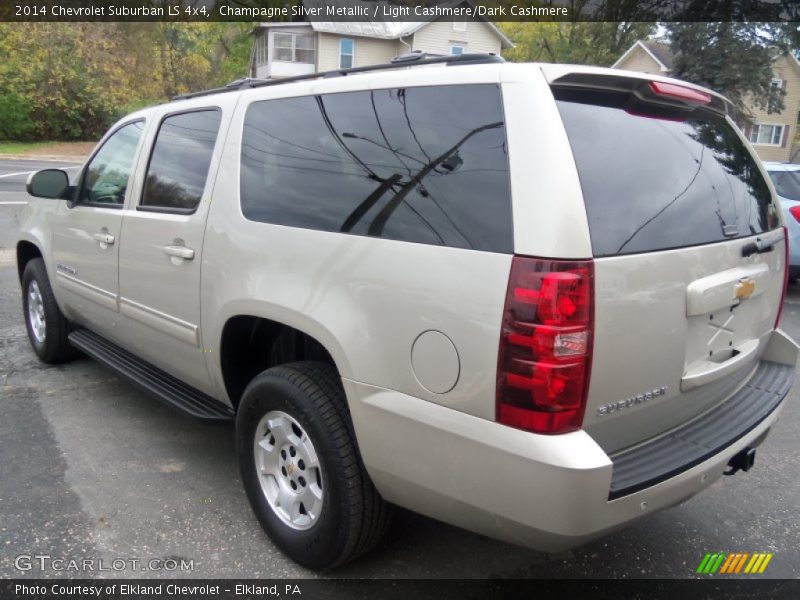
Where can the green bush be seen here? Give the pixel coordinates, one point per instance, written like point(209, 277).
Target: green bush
point(15, 118)
point(71, 81)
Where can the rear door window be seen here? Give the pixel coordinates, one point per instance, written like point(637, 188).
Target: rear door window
point(655, 179)
point(425, 164)
point(179, 163)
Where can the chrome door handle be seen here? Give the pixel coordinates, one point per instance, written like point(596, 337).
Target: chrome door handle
point(104, 238)
point(180, 252)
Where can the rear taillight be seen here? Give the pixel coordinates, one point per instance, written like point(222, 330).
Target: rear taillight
point(785, 274)
point(679, 92)
point(795, 211)
point(546, 345)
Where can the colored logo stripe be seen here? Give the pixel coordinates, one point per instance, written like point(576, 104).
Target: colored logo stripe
point(703, 563)
point(733, 559)
point(758, 563)
point(711, 562)
point(734, 563)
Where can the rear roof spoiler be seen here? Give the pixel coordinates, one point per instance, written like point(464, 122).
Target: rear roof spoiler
point(639, 84)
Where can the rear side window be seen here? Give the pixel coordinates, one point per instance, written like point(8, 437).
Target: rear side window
point(426, 165)
point(178, 169)
point(787, 183)
point(658, 178)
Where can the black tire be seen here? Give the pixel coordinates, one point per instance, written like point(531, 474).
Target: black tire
point(353, 516)
point(54, 347)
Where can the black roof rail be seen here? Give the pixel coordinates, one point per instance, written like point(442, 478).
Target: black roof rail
point(414, 56)
point(411, 59)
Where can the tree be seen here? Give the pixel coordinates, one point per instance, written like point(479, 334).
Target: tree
point(72, 78)
point(63, 81)
point(786, 35)
point(734, 59)
point(586, 43)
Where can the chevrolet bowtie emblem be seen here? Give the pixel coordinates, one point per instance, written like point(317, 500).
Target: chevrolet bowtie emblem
point(745, 288)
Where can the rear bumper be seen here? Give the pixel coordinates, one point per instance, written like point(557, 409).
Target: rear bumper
point(548, 492)
point(711, 434)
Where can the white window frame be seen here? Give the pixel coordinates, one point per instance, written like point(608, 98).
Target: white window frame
point(459, 25)
point(294, 47)
point(462, 45)
point(756, 130)
point(777, 82)
point(351, 54)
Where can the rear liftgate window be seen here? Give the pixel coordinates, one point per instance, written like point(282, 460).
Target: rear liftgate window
point(656, 177)
point(426, 165)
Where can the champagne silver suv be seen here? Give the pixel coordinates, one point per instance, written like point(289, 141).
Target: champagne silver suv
point(534, 301)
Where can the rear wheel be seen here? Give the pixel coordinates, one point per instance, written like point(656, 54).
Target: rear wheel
point(47, 327)
point(301, 469)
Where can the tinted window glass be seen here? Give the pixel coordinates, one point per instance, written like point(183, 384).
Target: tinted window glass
point(657, 178)
point(346, 51)
point(425, 165)
point(178, 169)
point(106, 178)
point(787, 183)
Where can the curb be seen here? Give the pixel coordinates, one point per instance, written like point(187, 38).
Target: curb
point(44, 157)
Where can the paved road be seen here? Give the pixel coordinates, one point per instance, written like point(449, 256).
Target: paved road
point(14, 173)
point(13, 198)
point(91, 468)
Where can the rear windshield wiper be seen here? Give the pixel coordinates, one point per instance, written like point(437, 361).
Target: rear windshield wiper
point(762, 244)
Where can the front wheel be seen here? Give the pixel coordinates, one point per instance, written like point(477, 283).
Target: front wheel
point(301, 469)
point(47, 327)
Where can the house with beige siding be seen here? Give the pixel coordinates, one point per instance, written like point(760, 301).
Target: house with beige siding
point(283, 49)
point(772, 135)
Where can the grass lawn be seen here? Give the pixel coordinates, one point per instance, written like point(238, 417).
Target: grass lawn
point(77, 149)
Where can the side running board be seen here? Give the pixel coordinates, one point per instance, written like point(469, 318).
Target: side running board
point(152, 380)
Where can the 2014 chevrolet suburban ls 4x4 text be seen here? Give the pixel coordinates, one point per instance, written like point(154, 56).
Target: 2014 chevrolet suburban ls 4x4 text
point(534, 301)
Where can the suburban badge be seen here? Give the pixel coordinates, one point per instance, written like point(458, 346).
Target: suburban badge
point(615, 407)
point(66, 269)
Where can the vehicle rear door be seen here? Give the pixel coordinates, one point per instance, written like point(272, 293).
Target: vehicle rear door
point(162, 241)
point(688, 248)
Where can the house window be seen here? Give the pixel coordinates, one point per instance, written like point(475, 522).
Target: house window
point(766, 135)
point(778, 83)
point(261, 49)
point(459, 25)
point(293, 47)
point(347, 47)
point(457, 48)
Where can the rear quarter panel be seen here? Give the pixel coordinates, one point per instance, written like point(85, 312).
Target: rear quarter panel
point(365, 299)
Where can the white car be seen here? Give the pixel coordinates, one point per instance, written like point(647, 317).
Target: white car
point(534, 301)
point(786, 179)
